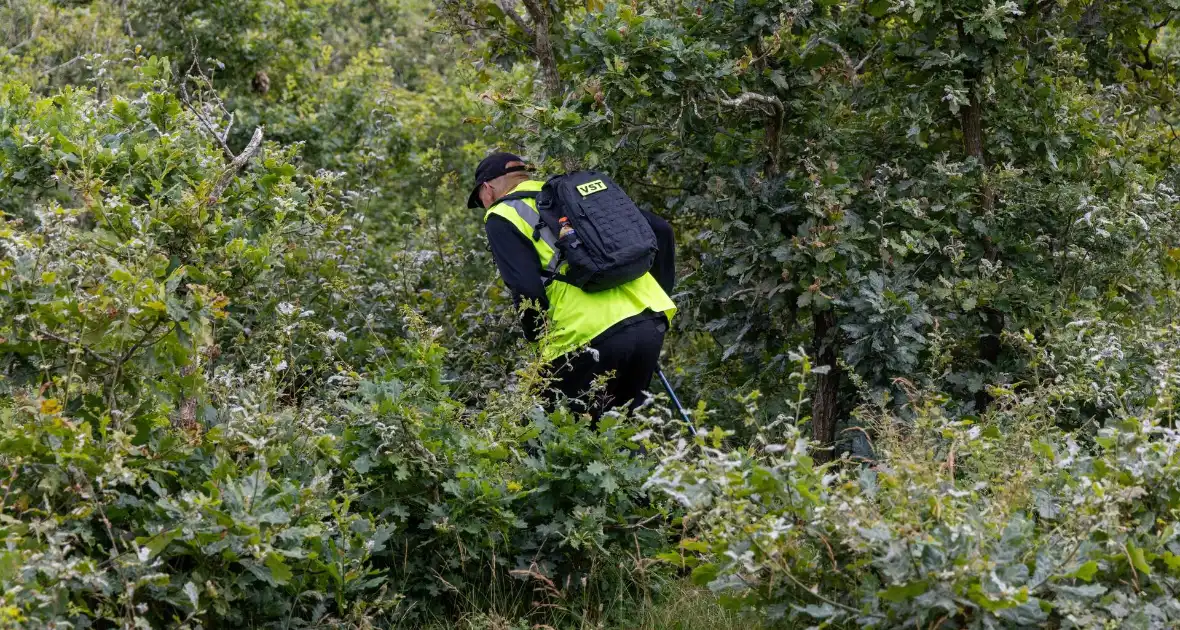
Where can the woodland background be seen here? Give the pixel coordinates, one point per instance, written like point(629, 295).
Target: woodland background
point(257, 369)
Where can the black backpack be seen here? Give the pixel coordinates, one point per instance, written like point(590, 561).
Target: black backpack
point(593, 226)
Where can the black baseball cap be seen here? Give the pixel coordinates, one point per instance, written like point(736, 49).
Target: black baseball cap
point(490, 168)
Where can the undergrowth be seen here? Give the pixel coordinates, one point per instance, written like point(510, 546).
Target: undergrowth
point(256, 372)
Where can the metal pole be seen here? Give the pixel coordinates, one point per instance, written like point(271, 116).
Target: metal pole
point(675, 400)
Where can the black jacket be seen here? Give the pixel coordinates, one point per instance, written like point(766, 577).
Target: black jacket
point(520, 267)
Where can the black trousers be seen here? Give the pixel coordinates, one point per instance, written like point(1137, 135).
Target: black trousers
point(629, 351)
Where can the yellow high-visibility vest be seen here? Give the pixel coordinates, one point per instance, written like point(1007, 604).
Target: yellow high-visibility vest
point(575, 316)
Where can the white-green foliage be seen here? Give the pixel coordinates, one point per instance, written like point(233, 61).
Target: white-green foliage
point(995, 522)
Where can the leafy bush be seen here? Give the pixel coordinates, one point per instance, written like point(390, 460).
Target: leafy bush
point(380, 506)
point(1000, 521)
point(861, 179)
point(184, 439)
point(256, 369)
point(141, 255)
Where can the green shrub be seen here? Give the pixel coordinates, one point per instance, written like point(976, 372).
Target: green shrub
point(287, 390)
point(1000, 521)
point(185, 440)
point(379, 506)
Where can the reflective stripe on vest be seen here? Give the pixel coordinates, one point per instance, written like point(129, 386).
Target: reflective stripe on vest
point(575, 317)
point(533, 218)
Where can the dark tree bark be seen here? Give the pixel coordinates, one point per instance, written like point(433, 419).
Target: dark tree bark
point(774, 128)
point(971, 124)
point(824, 405)
point(971, 121)
point(543, 42)
point(989, 349)
point(971, 118)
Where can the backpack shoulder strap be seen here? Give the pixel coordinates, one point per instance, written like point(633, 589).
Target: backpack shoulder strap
point(540, 230)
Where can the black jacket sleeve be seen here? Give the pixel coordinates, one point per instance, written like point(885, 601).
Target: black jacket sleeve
point(664, 267)
point(520, 267)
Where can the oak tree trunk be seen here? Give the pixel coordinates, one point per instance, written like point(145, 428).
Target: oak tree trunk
point(824, 406)
point(989, 349)
point(971, 121)
point(543, 42)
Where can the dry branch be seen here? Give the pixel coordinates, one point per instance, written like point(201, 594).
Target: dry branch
point(753, 98)
point(236, 165)
point(851, 69)
point(774, 111)
point(187, 101)
point(509, 8)
point(61, 65)
point(32, 35)
point(78, 344)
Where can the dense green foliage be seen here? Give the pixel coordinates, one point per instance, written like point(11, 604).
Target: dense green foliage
point(256, 368)
point(1001, 522)
point(823, 157)
point(198, 450)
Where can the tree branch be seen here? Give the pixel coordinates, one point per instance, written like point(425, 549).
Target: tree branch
point(139, 344)
point(60, 66)
point(457, 30)
point(31, 37)
point(539, 12)
point(838, 48)
point(187, 101)
point(229, 124)
point(851, 69)
point(775, 111)
point(236, 165)
point(753, 98)
point(509, 8)
point(860, 66)
point(70, 342)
